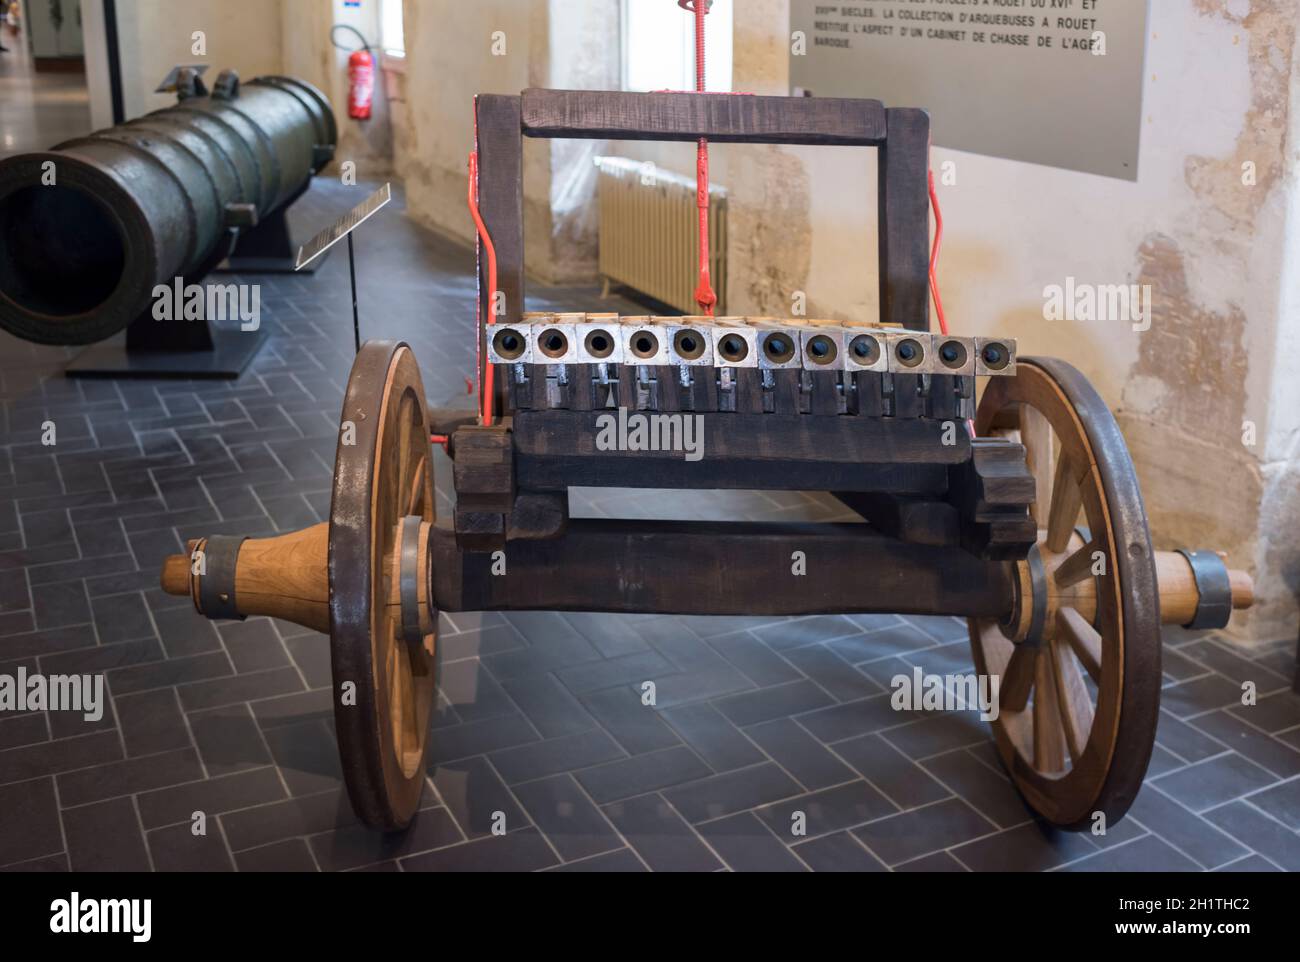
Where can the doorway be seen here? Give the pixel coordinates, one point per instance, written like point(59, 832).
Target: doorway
point(44, 96)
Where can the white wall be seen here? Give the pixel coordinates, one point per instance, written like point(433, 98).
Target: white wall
point(309, 55)
point(254, 37)
point(450, 59)
point(155, 35)
point(504, 46)
point(97, 78)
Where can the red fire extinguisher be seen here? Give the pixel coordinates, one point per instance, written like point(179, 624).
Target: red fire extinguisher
point(361, 72)
point(361, 84)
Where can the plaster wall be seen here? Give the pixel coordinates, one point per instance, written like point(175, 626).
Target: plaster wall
point(155, 35)
point(309, 55)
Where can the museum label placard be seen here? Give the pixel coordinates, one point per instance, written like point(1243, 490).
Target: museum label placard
point(1055, 82)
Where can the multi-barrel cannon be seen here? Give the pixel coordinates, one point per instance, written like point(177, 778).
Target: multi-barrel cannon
point(1064, 594)
point(1020, 513)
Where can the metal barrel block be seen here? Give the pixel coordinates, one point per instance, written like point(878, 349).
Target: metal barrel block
point(689, 342)
point(908, 352)
point(646, 344)
point(599, 343)
point(734, 344)
point(510, 344)
point(778, 345)
point(554, 343)
point(91, 227)
point(822, 349)
point(865, 350)
point(955, 355)
point(995, 356)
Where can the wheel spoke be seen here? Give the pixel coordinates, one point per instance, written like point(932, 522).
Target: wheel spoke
point(404, 428)
point(1083, 638)
point(416, 495)
point(1017, 680)
point(1075, 703)
point(1049, 741)
point(399, 689)
point(1067, 498)
point(1077, 567)
point(1036, 436)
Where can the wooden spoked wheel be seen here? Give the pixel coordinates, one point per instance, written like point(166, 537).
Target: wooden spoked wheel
point(384, 684)
point(1080, 688)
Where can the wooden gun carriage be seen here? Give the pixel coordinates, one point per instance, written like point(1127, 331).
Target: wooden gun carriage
point(1031, 526)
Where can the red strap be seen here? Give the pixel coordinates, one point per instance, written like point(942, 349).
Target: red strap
point(704, 295)
point(485, 398)
point(934, 257)
point(934, 272)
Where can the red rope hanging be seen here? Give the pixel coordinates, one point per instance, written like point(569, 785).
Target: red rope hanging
point(485, 397)
point(704, 295)
point(934, 257)
point(934, 272)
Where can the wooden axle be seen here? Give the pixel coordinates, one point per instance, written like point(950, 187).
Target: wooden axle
point(681, 568)
point(288, 577)
point(1179, 597)
point(1061, 584)
point(285, 577)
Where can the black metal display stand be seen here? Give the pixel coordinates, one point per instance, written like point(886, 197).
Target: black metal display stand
point(268, 248)
point(170, 349)
point(194, 349)
point(176, 349)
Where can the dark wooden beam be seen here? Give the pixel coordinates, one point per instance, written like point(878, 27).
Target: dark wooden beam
point(604, 114)
point(694, 568)
point(916, 520)
point(500, 149)
point(903, 198)
point(557, 449)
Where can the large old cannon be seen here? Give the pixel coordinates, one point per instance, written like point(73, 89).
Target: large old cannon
point(1029, 524)
point(90, 228)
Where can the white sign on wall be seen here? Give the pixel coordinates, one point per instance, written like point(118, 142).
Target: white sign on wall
point(1055, 82)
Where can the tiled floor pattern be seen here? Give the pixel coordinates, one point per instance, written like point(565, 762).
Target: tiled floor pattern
point(540, 717)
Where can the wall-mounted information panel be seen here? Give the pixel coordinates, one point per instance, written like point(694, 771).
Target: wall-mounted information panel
point(1055, 82)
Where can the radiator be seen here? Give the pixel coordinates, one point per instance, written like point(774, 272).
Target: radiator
point(649, 229)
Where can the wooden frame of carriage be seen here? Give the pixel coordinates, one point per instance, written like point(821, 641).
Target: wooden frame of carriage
point(1034, 529)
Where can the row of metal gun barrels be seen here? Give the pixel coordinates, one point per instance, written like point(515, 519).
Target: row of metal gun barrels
point(745, 342)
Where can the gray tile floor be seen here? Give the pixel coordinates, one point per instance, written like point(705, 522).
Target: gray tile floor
point(539, 717)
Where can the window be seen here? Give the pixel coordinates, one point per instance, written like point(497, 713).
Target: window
point(659, 46)
point(392, 32)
